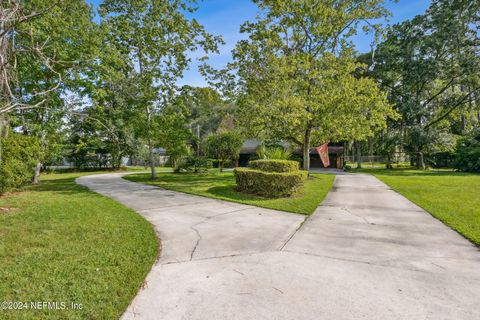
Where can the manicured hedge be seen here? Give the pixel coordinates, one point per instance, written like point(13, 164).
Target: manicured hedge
point(274, 165)
point(269, 184)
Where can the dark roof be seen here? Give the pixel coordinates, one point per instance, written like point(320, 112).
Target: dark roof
point(250, 147)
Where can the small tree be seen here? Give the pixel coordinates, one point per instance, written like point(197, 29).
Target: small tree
point(224, 147)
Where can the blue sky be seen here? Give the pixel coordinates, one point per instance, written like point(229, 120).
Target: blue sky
point(224, 17)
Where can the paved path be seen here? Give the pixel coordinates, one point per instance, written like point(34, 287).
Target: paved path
point(366, 253)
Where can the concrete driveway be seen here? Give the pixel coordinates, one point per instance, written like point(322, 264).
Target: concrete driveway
point(366, 253)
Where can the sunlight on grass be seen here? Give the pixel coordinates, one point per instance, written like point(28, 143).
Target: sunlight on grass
point(222, 186)
point(452, 197)
point(64, 243)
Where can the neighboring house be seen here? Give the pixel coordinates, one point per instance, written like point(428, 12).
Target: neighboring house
point(335, 152)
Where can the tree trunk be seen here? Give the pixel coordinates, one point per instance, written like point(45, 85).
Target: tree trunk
point(421, 160)
point(358, 149)
point(36, 174)
point(220, 165)
point(148, 114)
point(2, 129)
point(306, 150)
point(151, 157)
point(389, 162)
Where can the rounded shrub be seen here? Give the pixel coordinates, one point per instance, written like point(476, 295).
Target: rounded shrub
point(269, 184)
point(274, 165)
point(19, 156)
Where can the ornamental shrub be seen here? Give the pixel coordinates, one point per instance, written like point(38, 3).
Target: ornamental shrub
point(269, 184)
point(274, 165)
point(18, 157)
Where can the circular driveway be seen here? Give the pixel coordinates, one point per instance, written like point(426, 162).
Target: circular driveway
point(366, 253)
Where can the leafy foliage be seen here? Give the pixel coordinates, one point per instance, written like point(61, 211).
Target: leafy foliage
point(269, 184)
point(270, 178)
point(156, 36)
point(429, 66)
point(274, 165)
point(20, 155)
point(278, 153)
point(468, 153)
point(299, 80)
point(224, 147)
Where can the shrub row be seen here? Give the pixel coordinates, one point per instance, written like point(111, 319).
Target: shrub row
point(269, 184)
point(274, 165)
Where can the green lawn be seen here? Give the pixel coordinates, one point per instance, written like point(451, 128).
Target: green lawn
point(222, 186)
point(451, 197)
point(60, 242)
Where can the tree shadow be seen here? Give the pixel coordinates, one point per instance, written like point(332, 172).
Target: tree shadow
point(229, 192)
point(63, 185)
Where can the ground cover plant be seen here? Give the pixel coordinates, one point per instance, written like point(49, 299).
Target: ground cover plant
point(222, 186)
point(60, 242)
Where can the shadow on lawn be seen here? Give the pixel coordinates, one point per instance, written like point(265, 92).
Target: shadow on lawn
point(229, 192)
point(64, 185)
point(184, 178)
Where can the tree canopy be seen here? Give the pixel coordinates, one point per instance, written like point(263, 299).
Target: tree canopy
point(299, 77)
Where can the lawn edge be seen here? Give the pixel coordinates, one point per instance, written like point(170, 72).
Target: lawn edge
point(430, 213)
point(223, 199)
point(157, 235)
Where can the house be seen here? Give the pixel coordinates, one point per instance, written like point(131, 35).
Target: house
point(335, 153)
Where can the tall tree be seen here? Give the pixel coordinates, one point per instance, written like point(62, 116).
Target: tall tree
point(430, 67)
point(157, 36)
point(46, 49)
point(299, 79)
point(16, 19)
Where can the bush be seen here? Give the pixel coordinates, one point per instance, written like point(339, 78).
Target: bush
point(194, 164)
point(273, 153)
point(468, 153)
point(269, 184)
point(274, 165)
point(19, 155)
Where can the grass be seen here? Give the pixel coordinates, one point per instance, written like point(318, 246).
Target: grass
point(59, 242)
point(222, 186)
point(449, 196)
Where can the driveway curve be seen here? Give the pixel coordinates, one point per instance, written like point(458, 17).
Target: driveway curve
point(366, 253)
